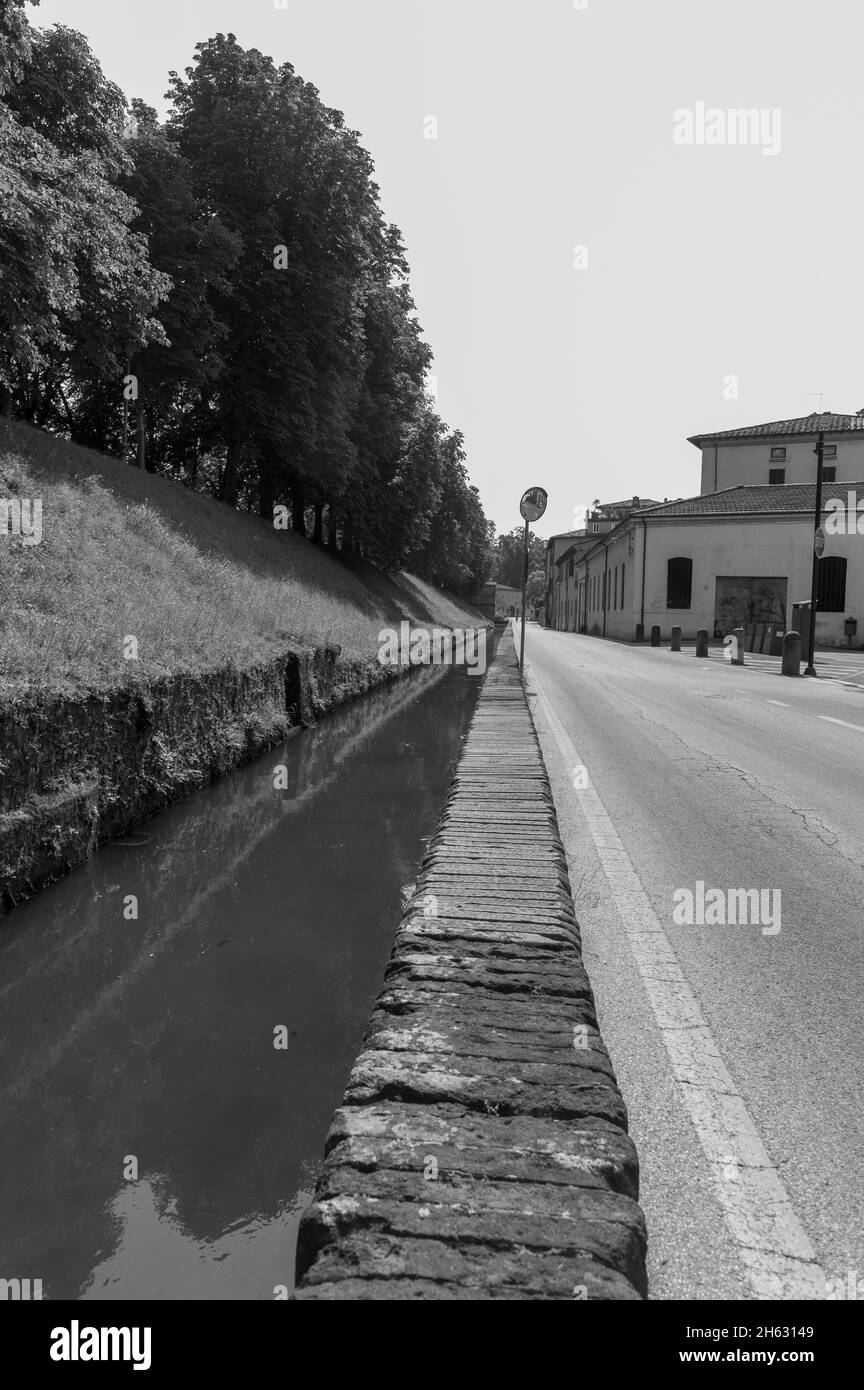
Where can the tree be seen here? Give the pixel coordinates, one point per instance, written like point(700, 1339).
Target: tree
point(77, 292)
point(15, 42)
point(177, 378)
point(232, 272)
point(509, 556)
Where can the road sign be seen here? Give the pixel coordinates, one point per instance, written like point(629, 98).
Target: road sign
point(819, 541)
point(533, 503)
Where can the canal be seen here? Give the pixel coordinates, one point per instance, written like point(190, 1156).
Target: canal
point(167, 1079)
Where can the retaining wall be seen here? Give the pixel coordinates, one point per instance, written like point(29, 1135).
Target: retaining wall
point(78, 770)
point(481, 1150)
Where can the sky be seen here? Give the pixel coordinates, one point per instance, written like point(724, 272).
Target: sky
point(594, 287)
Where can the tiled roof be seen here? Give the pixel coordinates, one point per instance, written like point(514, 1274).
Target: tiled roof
point(738, 501)
point(628, 505)
point(804, 424)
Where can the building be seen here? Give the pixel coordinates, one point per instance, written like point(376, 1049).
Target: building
point(508, 601)
point(782, 451)
point(499, 601)
point(721, 560)
point(568, 546)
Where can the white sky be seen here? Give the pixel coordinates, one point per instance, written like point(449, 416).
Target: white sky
point(555, 130)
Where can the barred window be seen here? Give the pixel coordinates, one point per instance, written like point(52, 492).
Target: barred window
point(831, 594)
point(679, 582)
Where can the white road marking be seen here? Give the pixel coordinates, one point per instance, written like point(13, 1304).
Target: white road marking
point(859, 728)
point(781, 703)
point(772, 1243)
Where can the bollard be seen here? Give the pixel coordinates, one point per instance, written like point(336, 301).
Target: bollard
point(702, 642)
point(738, 649)
point(655, 636)
point(791, 665)
point(640, 632)
point(676, 639)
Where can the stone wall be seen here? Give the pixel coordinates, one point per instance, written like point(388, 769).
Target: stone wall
point(481, 1151)
point(77, 770)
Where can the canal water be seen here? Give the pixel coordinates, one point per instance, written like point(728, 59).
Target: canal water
point(154, 1141)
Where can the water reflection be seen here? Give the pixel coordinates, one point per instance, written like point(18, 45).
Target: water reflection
point(149, 1042)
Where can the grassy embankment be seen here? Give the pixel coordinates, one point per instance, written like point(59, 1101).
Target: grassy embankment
point(238, 628)
point(199, 585)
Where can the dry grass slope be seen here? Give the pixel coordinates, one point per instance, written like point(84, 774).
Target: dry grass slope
point(199, 585)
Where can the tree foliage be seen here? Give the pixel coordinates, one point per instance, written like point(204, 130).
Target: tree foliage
point(508, 557)
point(220, 298)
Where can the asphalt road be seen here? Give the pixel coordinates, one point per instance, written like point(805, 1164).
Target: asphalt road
point(737, 1047)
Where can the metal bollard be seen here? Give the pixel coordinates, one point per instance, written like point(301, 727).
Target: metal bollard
point(676, 640)
point(791, 663)
point(738, 652)
point(655, 636)
point(702, 642)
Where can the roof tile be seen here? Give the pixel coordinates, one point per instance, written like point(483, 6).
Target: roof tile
point(802, 424)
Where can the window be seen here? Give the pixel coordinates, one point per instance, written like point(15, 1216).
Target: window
point(831, 595)
point(604, 590)
point(615, 590)
point(829, 451)
point(778, 455)
point(776, 475)
point(622, 586)
point(679, 582)
point(829, 475)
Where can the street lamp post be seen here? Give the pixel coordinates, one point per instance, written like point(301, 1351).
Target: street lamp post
point(532, 507)
point(818, 536)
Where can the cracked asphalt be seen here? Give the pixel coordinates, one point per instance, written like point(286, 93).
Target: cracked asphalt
point(738, 779)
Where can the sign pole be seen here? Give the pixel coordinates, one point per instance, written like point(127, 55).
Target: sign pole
point(524, 593)
point(810, 669)
point(532, 507)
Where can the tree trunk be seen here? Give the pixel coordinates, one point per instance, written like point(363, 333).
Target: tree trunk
point(152, 459)
point(47, 396)
point(331, 528)
point(265, 492)
point(230, 489)
point(318, 527)
point(142, 435)
point(298, 509)
point(70, 419)
point(125, 440)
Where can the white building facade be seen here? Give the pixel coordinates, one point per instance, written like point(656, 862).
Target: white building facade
point(782, 451)
point(724, 560)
